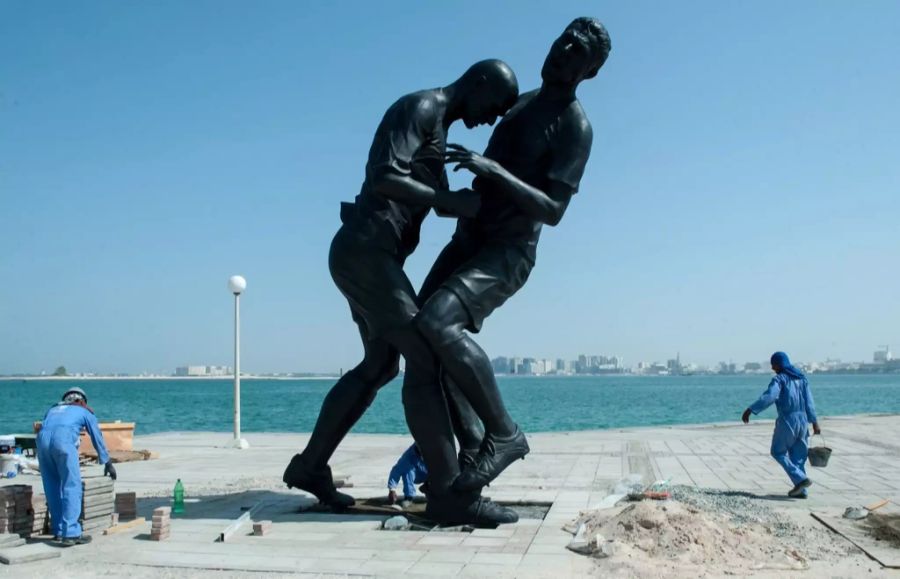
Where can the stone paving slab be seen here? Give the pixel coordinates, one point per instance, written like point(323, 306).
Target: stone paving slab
point(571, 471)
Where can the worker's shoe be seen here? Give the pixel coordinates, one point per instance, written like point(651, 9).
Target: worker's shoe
point(799, 489)
point(454, 508)
point(494, 456)
point(317, 482)
point(72, 541)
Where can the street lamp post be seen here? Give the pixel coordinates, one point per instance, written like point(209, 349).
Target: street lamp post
point(237, 284)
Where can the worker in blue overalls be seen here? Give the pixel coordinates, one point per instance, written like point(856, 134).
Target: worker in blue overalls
point(789, 391)
point(57, 450)
point(410, 469)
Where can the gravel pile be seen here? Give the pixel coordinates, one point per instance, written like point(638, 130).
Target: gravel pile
point(739, 507)
point(701, 532)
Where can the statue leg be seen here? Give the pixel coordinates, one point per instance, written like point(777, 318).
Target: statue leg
point(429, 422)
point(466, 425)
point(426, 409)
point(350, 397)
point(442, 321)
point(344, 405)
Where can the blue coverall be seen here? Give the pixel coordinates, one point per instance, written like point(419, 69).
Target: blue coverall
point(790, 442)
point(410, 468)
point(57, 450)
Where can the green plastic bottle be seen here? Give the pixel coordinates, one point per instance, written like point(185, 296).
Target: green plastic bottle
point(178, 498)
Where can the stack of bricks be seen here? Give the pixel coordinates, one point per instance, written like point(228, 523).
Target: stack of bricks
point(126, 506)
point(162, 521)
point(98, 503)
point(41, 522)
point(16, 514)
point(262, 528)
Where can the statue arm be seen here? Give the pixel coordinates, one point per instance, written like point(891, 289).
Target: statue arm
point(547, 207)
point(405, 189)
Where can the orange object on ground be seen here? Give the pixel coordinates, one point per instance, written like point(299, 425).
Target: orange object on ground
point(116, 435)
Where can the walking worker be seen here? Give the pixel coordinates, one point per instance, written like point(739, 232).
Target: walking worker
point(411, 469)
point(789, 391)
point(57, 450)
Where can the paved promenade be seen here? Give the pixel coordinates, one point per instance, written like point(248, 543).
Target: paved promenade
point(569, 471)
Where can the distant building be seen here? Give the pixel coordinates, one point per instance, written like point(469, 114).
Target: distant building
point(203, 371)
point(501, 365)
point(882, 355)
point(674, 366)
point(727, 368)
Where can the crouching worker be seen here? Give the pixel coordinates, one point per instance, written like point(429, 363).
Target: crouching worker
point(789, 391)
point(57, 450)
point(410, 469)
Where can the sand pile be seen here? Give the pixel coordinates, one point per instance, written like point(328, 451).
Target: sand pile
point(700, 532)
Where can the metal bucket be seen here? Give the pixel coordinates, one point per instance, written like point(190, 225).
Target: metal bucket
point(9, 465)
point(819, 455)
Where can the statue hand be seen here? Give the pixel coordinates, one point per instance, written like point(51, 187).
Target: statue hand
point(466, 159)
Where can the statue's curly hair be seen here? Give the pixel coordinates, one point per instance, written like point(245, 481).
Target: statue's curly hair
point(596, 33)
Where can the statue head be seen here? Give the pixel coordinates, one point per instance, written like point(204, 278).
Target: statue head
point(578, 53)
point(487, 90)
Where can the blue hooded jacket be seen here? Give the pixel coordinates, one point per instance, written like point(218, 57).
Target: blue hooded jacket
point(789, 391)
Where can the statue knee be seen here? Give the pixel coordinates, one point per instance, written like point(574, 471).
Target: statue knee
point(379, 370)
point(389, 371)
point(433, 329)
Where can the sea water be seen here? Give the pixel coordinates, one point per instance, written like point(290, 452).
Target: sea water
point(540, 403)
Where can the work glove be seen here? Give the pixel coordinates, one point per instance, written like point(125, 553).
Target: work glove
point(392, 497)
point(746, 416)
point(110, 471)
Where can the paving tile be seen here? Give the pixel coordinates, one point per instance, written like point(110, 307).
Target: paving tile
point(444, 540)
point(484, 542)
point(451, 556)
point(492, 571)
point(382, 567)
point(435, 569)
point(497, 559)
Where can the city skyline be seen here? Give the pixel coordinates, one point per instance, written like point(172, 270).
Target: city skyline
point(582, 364)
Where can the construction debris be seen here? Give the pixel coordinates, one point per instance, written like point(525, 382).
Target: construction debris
point(397, 523)
point(162, 524)
point(27, 554)
point(18, 519)
point(10, 540)
point(97, 503)
point(122, 527)
point(126, 506)
point(262, 528)
point(235, 526)
point(21, 512)
point(718, 532)
point(117, 456)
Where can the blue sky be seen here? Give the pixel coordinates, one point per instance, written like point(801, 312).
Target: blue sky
point(742, 195)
